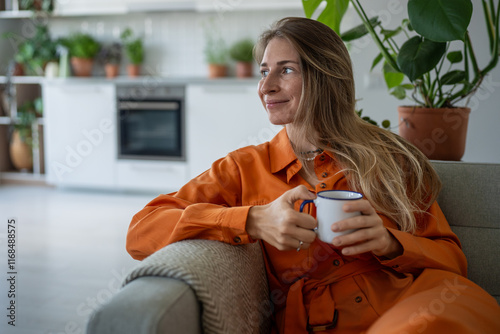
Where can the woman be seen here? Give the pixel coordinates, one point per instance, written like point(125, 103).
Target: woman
point(402, 271)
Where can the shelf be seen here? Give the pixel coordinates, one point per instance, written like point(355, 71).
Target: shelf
point(22, 176)
point(23, 79)
point(6, 120)
point(15, 14)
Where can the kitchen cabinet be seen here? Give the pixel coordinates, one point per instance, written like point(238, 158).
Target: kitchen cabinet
point(89, 7)
point(222, 118)
point(116, 7)
point(80, 133)
point(239, 5)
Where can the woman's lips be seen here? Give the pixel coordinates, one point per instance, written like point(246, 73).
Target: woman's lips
point(274, 103)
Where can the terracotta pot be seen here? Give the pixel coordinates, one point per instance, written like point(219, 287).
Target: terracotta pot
point(244, 69)
point(133, 70)
point(18, 70)
point(217, 71)
point(21, 154)
point(439, 133)
point(82, 67)
point(111, 70)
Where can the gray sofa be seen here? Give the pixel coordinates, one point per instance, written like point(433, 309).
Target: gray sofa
point(205, 286)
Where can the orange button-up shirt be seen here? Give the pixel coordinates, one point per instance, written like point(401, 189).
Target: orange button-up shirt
point(215, 206)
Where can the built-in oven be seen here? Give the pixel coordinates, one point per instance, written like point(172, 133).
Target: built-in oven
point(151, 122)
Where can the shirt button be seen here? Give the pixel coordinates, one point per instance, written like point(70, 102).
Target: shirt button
point(336, 263)
point(358, 299)
point(395, 266)
point(323, 185)
point(237, 240)
point(325, 174)
point(322, 157)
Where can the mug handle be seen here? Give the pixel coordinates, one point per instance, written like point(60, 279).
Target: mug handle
point(307, 201)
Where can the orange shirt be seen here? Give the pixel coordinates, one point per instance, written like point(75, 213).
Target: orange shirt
point(215, 206)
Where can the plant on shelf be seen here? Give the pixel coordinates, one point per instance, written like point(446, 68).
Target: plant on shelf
point(216, 52)
point(83, 49)
point(111, 56)
point(35, 52)
point(135, 51)
point(21, 145)
point(241, 52)
point(430, 60)
point(37, 5)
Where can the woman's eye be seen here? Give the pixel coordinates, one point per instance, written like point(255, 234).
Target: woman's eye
point(287, 70)
point(264, 73)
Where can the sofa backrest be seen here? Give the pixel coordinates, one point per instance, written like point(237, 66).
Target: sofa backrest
point(470, 200)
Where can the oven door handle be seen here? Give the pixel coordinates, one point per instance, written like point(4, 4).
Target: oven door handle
point(133, 105)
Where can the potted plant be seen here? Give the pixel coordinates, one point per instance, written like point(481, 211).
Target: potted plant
point(82, 49)
point(241, 52)
point(37, 5)
point(216, 52)
point(34, 53)
point(427, 67)
point(134, 50)
point(21, 145)
point(111, 56)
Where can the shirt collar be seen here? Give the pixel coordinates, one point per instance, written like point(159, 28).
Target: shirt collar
point(282, 156)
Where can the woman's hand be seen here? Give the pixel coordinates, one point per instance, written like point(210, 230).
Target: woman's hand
point(371, 236)
point(280, 225)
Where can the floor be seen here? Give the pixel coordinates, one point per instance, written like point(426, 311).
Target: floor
point(70, 255)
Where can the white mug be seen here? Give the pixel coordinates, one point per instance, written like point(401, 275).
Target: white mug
point(329, 210)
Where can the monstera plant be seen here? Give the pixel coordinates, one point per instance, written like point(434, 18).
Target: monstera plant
point(429, 58)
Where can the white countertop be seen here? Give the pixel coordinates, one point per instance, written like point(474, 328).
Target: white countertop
point(128, 80)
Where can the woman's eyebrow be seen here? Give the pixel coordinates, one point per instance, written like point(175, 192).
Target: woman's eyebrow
point(281, 62)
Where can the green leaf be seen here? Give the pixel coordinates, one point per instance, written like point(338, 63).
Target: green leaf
point(453, 77)
point(406, 23)
point(391, 33)
point(332, 14)
point(440, 20)
point(377, 60)
point(386, 124)
point(418, 56)
point(455, 57)
point(399, 92)
point(408, 86)
point(392, 77)
point(359, 30)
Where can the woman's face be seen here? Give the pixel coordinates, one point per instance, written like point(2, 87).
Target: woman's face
point(280, 88)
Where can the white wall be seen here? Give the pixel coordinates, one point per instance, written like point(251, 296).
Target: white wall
point(174, 41)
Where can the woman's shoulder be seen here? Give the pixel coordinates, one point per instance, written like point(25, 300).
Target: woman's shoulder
point(251, 151)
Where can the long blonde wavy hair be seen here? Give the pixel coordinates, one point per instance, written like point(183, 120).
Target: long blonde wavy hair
point(393, 175)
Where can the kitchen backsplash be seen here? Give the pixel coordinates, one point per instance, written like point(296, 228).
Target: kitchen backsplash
point(174, 41)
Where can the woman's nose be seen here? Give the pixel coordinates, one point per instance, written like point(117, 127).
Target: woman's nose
point(269, 84)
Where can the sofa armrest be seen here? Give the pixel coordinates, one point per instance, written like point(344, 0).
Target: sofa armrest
point(149, 305)
point(229, 283)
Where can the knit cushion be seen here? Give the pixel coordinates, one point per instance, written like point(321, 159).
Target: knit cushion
point(229, 281)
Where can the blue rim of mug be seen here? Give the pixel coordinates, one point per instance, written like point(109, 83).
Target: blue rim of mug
point(340, 199)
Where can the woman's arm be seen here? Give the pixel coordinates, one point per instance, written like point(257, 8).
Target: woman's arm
point(207, 207)
point(434, 245)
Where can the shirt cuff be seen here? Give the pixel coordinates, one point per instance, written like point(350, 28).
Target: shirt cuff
point(233, 224)
point(405, 262)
